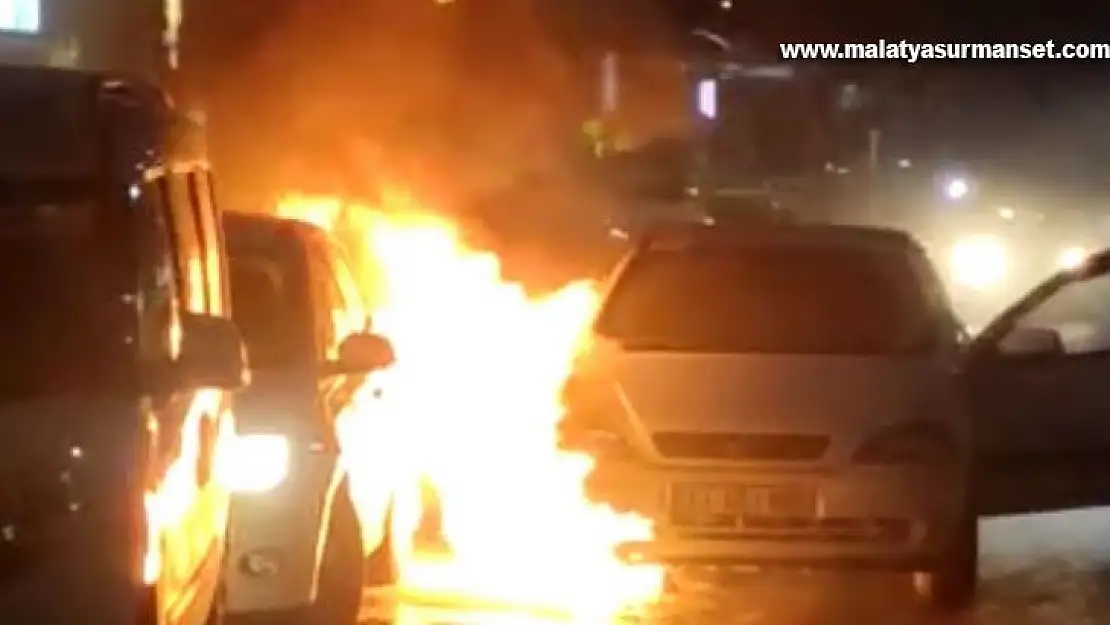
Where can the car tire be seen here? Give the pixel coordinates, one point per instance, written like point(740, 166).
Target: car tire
point(951, 585)
point(339, 587)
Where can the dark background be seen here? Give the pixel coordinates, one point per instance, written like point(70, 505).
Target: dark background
point(474, 92)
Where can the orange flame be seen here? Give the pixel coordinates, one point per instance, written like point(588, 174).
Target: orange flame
point(473, 402)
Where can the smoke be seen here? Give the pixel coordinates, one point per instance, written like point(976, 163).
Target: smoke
point(448, 98)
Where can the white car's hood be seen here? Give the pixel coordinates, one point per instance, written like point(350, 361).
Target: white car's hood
point(668, 392)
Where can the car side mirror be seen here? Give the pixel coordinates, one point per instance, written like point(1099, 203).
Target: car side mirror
point(1030, 342)
point(362, 353)
point(213, 354)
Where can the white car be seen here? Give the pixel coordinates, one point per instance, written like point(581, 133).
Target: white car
point(298, 552)
point(783, 396)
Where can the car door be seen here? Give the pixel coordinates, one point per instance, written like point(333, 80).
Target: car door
point(190, 419)
point(1039, 379)
point(211, 513)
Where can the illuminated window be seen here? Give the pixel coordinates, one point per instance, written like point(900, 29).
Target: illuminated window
point(23, 16)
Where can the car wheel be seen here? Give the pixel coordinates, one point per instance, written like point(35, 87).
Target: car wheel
point(339, 591)
point(952, 584)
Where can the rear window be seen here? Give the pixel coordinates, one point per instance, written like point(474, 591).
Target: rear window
point(50, 125)
point(778, 301)
point(270, 301)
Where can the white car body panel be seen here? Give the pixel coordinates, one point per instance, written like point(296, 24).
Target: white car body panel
point(279, 534)
point(847, 397)
point(286, 525)
point(820, 408)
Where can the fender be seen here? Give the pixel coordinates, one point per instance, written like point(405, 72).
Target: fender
point(339, 481)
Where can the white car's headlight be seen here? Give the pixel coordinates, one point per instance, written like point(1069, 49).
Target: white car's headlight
point(254, 463)
point(1071, 257)
point(978, 262)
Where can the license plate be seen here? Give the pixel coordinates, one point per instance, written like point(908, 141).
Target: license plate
point(716, 503)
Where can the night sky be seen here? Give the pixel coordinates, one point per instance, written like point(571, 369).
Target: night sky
point(477, 73)
point(969, 20)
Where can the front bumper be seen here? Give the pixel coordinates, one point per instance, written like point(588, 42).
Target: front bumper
point(275, 538)
point(887, 518)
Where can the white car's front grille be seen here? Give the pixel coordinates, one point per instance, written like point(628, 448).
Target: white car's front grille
point(741, 447)
point(805, 529)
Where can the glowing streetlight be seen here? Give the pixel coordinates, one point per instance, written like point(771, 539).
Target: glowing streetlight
point(1072, 258)
point(957, 189)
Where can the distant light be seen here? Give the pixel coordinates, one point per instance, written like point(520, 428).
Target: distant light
point(21, 16)
point(1072, 258)
point(957, 189)
point(1006, 213)
point(707, 98)
point(726, 4)
point(904, 163)
point(978, 262)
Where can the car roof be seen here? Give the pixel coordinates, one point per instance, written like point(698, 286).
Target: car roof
point(77, 79)
point(774, 235)
point(34, 72)
point(262, 228)
point(263, 225)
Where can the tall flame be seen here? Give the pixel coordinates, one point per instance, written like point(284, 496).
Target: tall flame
point(473, 405)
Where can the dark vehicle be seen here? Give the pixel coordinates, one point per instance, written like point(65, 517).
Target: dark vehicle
point(298, 548)
point(1037, 376)
point(114, 396)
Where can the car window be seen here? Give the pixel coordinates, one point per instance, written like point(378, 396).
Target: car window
point(188, 246)
point(1079, 312)
point(799, 300)
point(66, 324)
point(327, 306)
point(158, 278)
point(265, 307)
point(200, 200)
point(354, 310)
point(46, 128)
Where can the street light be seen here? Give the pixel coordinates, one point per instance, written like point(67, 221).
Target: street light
point(957, 189)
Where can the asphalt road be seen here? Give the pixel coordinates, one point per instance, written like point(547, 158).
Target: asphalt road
point(1036, 570)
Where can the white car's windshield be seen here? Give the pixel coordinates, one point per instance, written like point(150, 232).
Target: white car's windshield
point(804, 300)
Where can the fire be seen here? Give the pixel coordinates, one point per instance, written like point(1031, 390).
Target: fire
point(474, 402)
point(166, 504)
